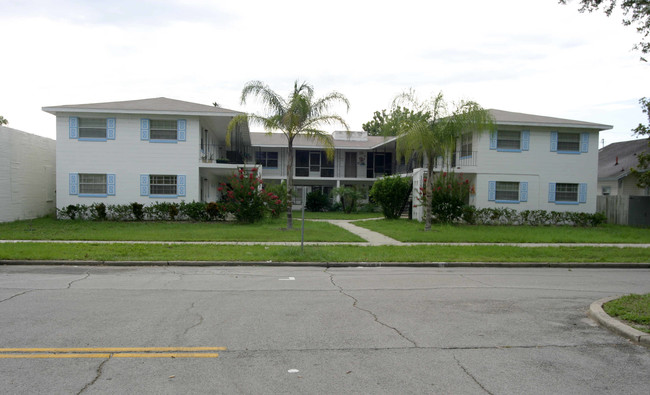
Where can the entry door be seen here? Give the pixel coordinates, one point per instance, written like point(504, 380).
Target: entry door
point(350, 165)
point(314, 164)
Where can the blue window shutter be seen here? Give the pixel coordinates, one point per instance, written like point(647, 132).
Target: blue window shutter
point(493, 140)
point(74, 183)
point(551, 192)
point(74, 127)
point(492, 190)
point(582, 193)
point(525, 140)
point(180, 185)
point(110, 128)
point(523, 191)
point(584, 142)
point(553, 142)
point(181, 129)
point(110, 184)
point(144, 184)
point(144, 129)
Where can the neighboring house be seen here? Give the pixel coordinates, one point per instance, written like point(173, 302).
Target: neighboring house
point(614, 164)
point(530, 162)
point(358, 161)
point(143, 151)
point(27, 179)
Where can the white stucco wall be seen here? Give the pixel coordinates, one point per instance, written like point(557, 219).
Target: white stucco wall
point(127, 157)
point(27, 179)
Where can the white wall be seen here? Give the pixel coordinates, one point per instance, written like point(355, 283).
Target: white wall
point(27, 179)
point(127, 157)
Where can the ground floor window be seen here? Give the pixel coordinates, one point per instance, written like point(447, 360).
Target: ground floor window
point(566, 192)
point(507, 191)
point(162, 184)
point(94, 184)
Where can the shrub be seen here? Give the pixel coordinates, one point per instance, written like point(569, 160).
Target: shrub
point(450, 191)
point(70, 211)
point(246, 199)
point(390, 192)
point(349, 198)
point(317, 201)
point(138, 212)
point(196, 211)
point(120, 212)
point(98, 211)
point(216, 211)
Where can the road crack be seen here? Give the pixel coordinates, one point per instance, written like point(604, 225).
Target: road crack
point(195, 325)
point(373, 315)
point(470, 375)
point(97, 376)
point(79, 279)
point(18, 294)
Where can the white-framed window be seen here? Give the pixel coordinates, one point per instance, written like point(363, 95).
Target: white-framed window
point(466, 145)
point(160, 184)
point(508, 191)
point(268, 159)
point(607, 190)
point(91, 129)
point(92, 184)
point(567, 193)
point(568, 142)
point(510, 140)
point(163, 130)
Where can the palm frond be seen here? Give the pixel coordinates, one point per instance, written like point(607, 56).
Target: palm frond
point(271, 101)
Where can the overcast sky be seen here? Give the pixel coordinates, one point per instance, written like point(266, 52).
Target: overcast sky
point(531, 56)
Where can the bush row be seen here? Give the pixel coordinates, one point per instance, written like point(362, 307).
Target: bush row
point(506, 216)
point(161, 211)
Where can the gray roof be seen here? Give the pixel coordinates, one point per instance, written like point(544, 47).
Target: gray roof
point(158, 105)
point(279, 140)
point(626, 152)
point(520, 119)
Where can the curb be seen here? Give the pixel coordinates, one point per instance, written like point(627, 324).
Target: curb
point(597, 314)
point(562, 265)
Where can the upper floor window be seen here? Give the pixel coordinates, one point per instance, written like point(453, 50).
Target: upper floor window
point(569, 143)
point(379, 164)
point(163, 130)
point(466, 145)
point(92, 129)
point(313, 164)
point(268, 159)
point(510, 140)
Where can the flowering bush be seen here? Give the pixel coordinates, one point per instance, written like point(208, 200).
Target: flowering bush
point(246, 199)
point(449, 194)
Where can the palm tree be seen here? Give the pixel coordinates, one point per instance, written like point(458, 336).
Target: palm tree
point(437, 133)
point(299, 114)
point(3, 120)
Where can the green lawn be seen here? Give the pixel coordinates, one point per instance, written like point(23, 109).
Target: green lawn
point(423, 253)
point(413, 231)
point(335, 215)
point(268, 230)
point(635, 309)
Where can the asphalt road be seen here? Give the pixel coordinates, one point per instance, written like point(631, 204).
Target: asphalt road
point(310, 330)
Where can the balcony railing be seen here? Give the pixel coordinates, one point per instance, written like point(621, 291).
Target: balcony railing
point(211, 153)
point(462, 159)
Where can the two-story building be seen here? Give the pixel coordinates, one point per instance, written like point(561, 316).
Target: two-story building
point(143, 151)
point(529, 162)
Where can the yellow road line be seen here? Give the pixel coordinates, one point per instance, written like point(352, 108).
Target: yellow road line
point(116, 355)
point(112, 349)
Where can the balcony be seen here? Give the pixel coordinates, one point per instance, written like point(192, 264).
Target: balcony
point(212, 153)
point(464, 159)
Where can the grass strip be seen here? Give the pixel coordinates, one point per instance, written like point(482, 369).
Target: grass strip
point(634, 309)
point(162, 252)
point(413, 231)
point(268, 230)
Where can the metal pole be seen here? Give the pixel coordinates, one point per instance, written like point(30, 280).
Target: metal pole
point(302, 226)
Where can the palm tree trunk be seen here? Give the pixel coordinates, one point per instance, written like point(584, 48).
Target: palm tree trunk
point(429, 196)
point(290, 186)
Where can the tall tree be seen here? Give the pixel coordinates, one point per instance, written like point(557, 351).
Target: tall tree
point(388, 124)
point(636, 13)
point(3, 120)
point(437, 134)
point(643, 169)
point(300, 114)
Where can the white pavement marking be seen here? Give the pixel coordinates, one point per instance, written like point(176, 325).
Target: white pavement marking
point(287, 279)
